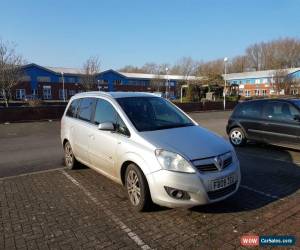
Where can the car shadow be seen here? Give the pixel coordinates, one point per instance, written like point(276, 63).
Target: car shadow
point(269, 173)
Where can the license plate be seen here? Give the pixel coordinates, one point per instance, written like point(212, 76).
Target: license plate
point(222, 182)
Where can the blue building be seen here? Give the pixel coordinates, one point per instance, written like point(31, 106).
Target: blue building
point(264, 83)
point(51, 83)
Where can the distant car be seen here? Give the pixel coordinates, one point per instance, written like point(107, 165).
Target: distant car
point(272, 121)
point(147, 144)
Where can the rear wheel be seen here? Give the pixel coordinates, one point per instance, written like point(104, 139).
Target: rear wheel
point(237, 137)
point(70, 160)
point(137, 188)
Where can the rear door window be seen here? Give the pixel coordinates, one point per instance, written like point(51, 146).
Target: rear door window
point(249, 110)
point(279, 111)
point(86, 108)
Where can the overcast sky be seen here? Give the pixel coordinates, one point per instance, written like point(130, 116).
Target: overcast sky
point(66, 33)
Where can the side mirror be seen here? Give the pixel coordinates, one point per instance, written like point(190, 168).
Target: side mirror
point(297, 118)
point(106, 126)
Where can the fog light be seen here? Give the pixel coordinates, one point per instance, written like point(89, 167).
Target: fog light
point(177, 193)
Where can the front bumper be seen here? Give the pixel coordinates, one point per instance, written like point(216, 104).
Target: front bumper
point(196, 185)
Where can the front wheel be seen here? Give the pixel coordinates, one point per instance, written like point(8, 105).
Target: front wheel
point(237, 137)
point(137, 188)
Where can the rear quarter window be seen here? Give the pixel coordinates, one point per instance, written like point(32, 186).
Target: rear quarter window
point(72, 110)
point(248, 110)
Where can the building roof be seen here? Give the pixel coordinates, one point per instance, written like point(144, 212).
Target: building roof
point(256, 74)
point(154, 76)
point(77, 71)
point(59, 70)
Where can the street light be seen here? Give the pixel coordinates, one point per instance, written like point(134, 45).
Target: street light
point(167, 83)
point(63, 81)
point(224, 91)
point(99, 87)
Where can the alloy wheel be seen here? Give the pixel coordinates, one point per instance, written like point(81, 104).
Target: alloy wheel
point(133, 187)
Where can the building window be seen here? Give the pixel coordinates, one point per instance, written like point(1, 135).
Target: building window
point(117, 82)
point(61, 94)
point(257, 81)
point(247, 93)
point(256, 92)
point(265, 80)
point(72, 92)
point(103, 82)
point(264, 92)
point(34, 92)
point(294, 91)
point(20, 94)
point(25, 78)
point(43, 79)
point(47, 95)
point(71, 80)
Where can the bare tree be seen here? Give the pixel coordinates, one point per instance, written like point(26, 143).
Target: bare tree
point(185, 66)
point(10, 69)
point(159, 71)
point(282, 81)
point(91, 68)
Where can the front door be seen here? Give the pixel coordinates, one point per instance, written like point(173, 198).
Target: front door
point(103, 144)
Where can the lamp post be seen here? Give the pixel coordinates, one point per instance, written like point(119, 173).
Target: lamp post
point(99, 87)
point(167, 83)
point(225, 72)
point(63, 82)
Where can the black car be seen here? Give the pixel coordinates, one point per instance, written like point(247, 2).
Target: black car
point(273, 121)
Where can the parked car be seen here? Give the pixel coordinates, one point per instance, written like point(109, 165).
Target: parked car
point(273, 121)
point(150, 146)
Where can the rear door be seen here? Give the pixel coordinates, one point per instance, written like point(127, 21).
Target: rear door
point(249, 116)
point(80, 130)
point(280, 125)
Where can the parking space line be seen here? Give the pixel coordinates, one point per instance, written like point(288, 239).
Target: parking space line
point(261, 192)
point(132, 235)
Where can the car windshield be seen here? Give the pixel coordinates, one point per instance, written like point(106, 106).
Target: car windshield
point(153, 113)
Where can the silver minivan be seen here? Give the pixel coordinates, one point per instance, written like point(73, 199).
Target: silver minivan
point(151, 147)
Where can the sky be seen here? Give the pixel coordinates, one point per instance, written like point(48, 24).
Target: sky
point(121, 32)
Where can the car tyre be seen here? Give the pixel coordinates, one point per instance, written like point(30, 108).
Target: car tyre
point(137, 188)
point(69, 158)
point(237, 137)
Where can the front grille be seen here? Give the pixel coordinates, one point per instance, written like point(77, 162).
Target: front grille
point(212, 195)
point(212, 167)
point(207, 168)
point(227, 162)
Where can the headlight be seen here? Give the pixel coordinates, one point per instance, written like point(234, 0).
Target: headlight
point(173, 162)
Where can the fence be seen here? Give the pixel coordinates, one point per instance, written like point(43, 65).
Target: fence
point(55, 112)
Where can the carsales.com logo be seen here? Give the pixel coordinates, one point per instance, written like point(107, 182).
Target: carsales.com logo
point(250, 240)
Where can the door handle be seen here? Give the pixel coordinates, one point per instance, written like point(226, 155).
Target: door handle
point(92, 137)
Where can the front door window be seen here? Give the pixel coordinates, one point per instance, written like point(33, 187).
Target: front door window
point(47, 95)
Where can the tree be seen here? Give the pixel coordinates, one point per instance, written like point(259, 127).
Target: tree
point(90, 70)
point(282, 81)
point(158, 82)
point(10, 69)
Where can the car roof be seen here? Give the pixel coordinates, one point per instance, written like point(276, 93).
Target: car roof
point(113, 95)
point(272, 99)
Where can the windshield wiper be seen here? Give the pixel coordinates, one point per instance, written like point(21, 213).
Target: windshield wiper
point(176, 126)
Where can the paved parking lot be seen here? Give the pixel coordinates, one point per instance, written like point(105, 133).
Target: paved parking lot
point(62, 209)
